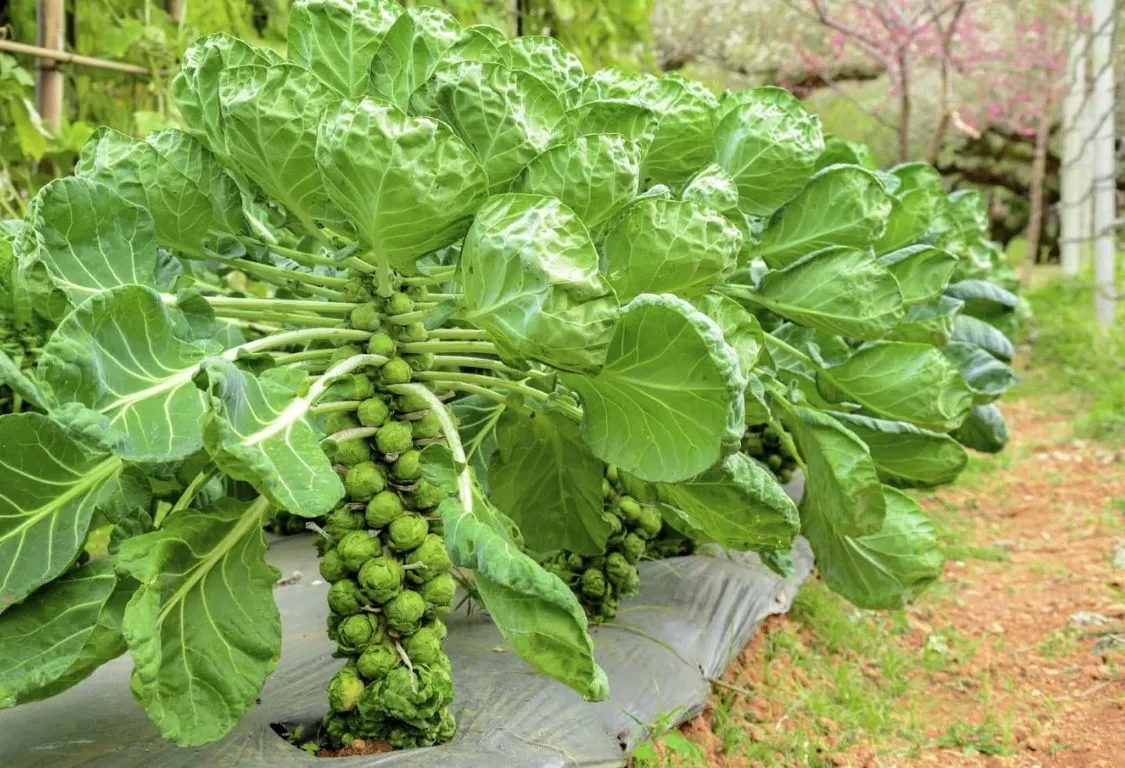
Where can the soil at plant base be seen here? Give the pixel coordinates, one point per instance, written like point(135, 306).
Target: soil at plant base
point(1016, 659)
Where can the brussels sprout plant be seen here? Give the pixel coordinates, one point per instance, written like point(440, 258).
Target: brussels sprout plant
point(480, 318)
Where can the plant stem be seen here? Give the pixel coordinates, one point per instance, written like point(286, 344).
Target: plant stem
point(339, 405)
point(406, 318)
point(451, 377)
point(291, 338)
point(342, 368)
point(470, 347)
point(289, 275)
point(467, 334)
point(439, 275)
point(281, 319)
point(354, 433)
point(187, 496)
point(308, 259)
point(460, 361)
point(452, 438)
point(282, 305)
point(359, 265)
point(286, 358)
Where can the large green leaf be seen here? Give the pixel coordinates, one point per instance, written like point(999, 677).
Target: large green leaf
point(49, 486)
point(180, 209)
point(534, 610)
point(195, 162)
point(883, 570)
point(88, 237)
point(838, 290)
point(838, 151)
point(408, 185)
point(631, 119)
point(985, 430)
point(257, 430)
point(983, 298)
point(906, 456)
point(928, 323)
point(841, 482)
point(548, 60)
point(658, 245)
point(900, 382)
point(843, 205)
point(684, 135)
point(769, 143)
point(412, 49)
point(741, 330)
point(669, 400)
point(42, 638)
point(985, 335)
point(507, 117)
point(713, 188)
point(203, 627)
point(270, 117)
point(336, 39)
point(918, 198)
point(594, 175)
point(922, 270)
point(123, 354)
point(530, 277)
point(738, 504)
point(544, 478)
point(987, 377)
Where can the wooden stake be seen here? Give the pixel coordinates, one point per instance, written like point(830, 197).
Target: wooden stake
point(70, 58)
point(49, 80)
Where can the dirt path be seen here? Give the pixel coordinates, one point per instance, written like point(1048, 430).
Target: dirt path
point(1016, 659)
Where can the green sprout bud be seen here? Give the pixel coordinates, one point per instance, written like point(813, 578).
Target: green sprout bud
point(349, 453)
point(344, 519)
point(630, 509)
point(345, 599)
point(439, 628)
point(418, 292)
point(332, 567)
point(381, 344)
point(413, 332)
point(380, 579)
point(631, 585)
point(337, 729)
point(427, 496)
point(364, 480)
point(617, 568)
point(407, 467)
point(422, 362)
point(438, 592)
point(399, 304)
point(377, 661)
point(575, 562)
point(615, 524)
point(611, 473)
point(394, 438)
point(403, 613)
point(774, 462)
point(427, 426)
point(351, 386)
point(366, 317)
point(407, 532)
point(356, 548)
point(413, 695)
point(373, 412)
point(423, 647)
point(384, 508)
point(356, 632)
point(343, 353)
point(396, 371)
point(593, 584)
point(332, 623)
point(344, 690)
point(412, 403)
point(633, 548)
point(752, 444)
point(432, 555)
point(648, 526)
point(607, 489)
point(338, 421)
point(356, 291)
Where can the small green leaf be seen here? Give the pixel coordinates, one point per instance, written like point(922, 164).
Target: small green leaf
point(982, 297)
point(336, 39)
point(906, 456)
point(534, 610)
point(203, 628)
point(919, 196)
point(839, 151)
point(668, 401)
point(922, 270)
point(928, 323)
point(24, 383)
point(974, 331)
point(985, 430)
point(987, 377)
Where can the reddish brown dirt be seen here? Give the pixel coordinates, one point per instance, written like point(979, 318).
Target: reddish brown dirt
point(1059, 509)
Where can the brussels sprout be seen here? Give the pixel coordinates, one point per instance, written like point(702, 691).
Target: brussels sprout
point(431, 554)
point(617, 568)
point(575, 562)
point(345, 599)
point(366, 317)
point(774, 462)
point(415, 695)
point(607, 489)
point(611, 473)
point(377, 661)
point(344, 519)
point(351, 386)
point(338, 421)
point(356, 290)
point(404, 612)
point(373, 412)
point(344, 690)
point(413, 332)
point(357, 547)
point(407, 532)
point(648, 526)
point(615, 524)
point(427, 495)
point(384, 508)
point(352, 452)
point(630, 509)
point(427, 426)
point(633, 548)
point(407, 467)
point(396, 371)
point(593, 584)
point(439, 628)
point(332, 623)
point(381, 344)
point(423, 647)
point(332, 566)
point(422, 362)
point(418, 292)
point(785, 476)
point(399, 304)
point(438, 592)
point(752, 444)
point(340, 354)
point(380, 579)
point(394, 438)
point(364, 480)
point(356, 632)
point(447, 726)
point(631, 585)
point(337, 729)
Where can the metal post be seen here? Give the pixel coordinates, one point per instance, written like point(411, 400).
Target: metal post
point(1076, 198)
point(49, 79)
point(1105, 165)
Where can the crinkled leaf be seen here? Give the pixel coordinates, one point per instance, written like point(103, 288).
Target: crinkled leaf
point(928, 323)
point(982, 297)
point(195, 162)
point(548, 60)
point(769, 143)
point(900, 382)
point(530, 277)
point(24, 383)
point(668, 401)
point(985, 335)
point(476, 423)
point(534, 610)
point(545, 479)
point(741, 330)
point(906, 456)
point(408, 185)
point(838, 151)
point(412, 49)
point(843, 205)
point(659, 245)
point(922, 270)
point(631, 119)
point(336, 39)
point(918, 198)
point(257, 430)
point(985, 430)
point(123, 355)
point(987, 377)
point(684, 136)
point(203, 627)
point(594, 175)
point(507, 117)
point(738, 504)
point(882, 570)
point(713, 188)
point(49, 484)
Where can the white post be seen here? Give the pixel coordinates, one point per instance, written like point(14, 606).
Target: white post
point(1076, 198)
point(1105, 165)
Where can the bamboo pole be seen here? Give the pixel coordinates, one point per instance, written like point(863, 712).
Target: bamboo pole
point(49, 79)
point(1105, 163)
point(70, 58)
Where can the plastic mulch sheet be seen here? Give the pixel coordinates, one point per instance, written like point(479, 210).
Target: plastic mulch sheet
point(693, 615)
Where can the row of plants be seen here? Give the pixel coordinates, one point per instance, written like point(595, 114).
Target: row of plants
point(483, 319)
